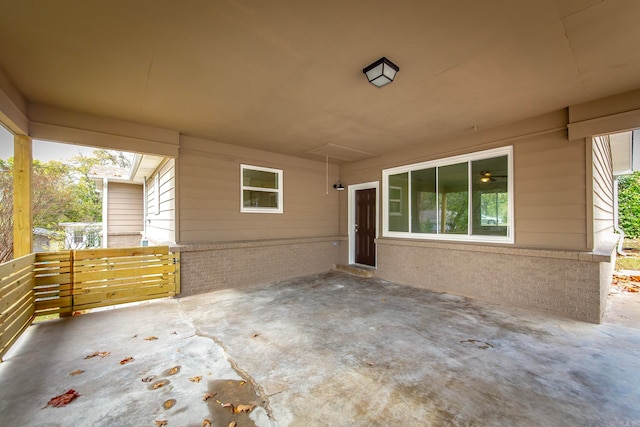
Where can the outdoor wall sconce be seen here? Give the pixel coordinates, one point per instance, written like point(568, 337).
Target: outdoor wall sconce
point(338, 186)
point(381, 72)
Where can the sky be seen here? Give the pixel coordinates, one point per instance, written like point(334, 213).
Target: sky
point(42, 150)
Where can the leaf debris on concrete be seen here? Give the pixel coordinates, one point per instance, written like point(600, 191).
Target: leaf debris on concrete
point(63, 399)
point(159, 384)
point(76, 372)
point(195, 379)
point(168, 404)
point(101, 354)
point(126, 360)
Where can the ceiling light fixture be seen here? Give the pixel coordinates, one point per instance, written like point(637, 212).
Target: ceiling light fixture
point(486, 176)
point(381, 72)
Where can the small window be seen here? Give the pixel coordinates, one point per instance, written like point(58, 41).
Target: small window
point(93, 239)
point(260, 189)
point(78, 237)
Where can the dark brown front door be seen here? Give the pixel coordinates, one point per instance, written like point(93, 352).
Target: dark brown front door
point(365, 227)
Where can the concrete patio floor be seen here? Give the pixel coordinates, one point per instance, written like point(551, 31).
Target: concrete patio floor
point(330, 349)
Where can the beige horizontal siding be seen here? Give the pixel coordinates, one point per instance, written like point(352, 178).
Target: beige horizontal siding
point(160, 227)
point(603, 199)
point(550, 192)
point(125, 210)
point(210, 195)
point(550, 180)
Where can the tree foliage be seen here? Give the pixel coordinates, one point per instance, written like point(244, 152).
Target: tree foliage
point(61, 192)
point(629, 204)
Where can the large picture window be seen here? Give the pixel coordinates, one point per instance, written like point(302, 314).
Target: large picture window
point(459, 198)
point(261, 189)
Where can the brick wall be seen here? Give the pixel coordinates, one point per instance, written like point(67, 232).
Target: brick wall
point(569, 284)
point(124, 240)
point(216, 266)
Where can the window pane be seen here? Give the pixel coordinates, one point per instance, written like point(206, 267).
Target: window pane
point(424, 202)
point(453, 198)
point(258, 178)
point(259, 199)
point(490, 199)
point(398, 202)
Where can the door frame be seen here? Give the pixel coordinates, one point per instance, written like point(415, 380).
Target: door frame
point(352, 214)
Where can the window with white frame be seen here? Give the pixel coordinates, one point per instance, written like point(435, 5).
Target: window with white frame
point(260, 189)
point(467, 198)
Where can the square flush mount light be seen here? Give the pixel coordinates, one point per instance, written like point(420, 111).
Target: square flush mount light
point(381, 72)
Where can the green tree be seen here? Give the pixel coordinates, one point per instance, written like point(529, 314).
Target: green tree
point(61, 192)
point(629, 204)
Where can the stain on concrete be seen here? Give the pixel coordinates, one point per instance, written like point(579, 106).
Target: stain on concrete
point(228, 396)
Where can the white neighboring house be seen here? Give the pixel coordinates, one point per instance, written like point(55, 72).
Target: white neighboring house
point(82, 235)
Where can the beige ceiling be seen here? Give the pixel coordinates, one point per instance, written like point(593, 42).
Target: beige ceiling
point(286, 75)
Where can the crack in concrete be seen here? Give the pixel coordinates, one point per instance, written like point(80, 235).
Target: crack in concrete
point(262, 394)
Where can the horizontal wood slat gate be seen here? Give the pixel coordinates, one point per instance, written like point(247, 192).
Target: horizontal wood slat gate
point(68, 281)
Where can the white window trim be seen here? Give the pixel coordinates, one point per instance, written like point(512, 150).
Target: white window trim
point(279, 173)
point(509, 238)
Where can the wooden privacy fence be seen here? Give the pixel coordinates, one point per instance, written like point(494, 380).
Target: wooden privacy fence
point(16, 299)
point(68, 281)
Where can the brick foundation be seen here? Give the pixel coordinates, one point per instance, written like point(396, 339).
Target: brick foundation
point(569, 284)
point(124, 240)
point(216, 266)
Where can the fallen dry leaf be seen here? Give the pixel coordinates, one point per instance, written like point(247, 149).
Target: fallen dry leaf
point(255, 335)
point(233, 424)
point(208, 396)
point(159, 384)
point(76, 372)
point(148, 379)
point(174, 333)
point(227, 405)
point(63, 399)
point(242, 408)
point(102, 354)
point(126, 360)
point(151, 338)
point(243, 382)
point(195, 379)
point(168, 404)
point(161, 423)
point(206, 422)
point(174, 370)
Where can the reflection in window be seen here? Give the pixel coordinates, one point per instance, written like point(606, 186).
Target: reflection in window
point(453, 198)
point(490, 199)
point(424, 201)
point(399, 184)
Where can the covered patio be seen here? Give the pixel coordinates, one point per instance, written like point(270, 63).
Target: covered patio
point(327, 349)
